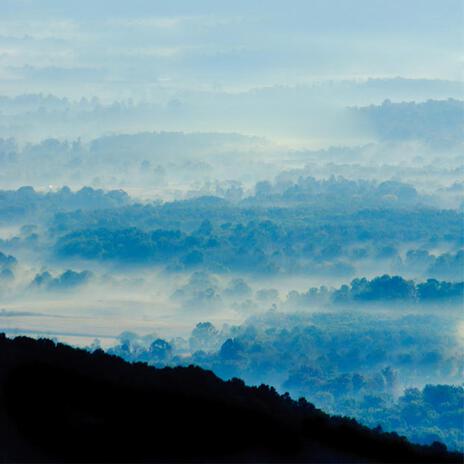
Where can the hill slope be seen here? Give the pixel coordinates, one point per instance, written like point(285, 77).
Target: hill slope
point(60, 404)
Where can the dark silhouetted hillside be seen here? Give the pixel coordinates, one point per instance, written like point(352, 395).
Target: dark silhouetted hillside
point(60, 404)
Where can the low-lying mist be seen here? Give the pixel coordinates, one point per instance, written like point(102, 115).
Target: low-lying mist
point(307, 237)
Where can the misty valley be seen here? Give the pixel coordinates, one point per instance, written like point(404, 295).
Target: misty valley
point(324, 273)
point(231, 231)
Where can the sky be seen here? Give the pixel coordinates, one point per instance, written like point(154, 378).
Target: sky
point(136, 49)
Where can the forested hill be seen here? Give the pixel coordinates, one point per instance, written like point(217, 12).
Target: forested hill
point(61, 404)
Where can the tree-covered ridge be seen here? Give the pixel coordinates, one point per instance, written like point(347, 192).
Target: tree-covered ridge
point(355, 363)
point(440, 122)
point(97, 408)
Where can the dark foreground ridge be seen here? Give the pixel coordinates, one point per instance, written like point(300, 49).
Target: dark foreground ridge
point(61, 404)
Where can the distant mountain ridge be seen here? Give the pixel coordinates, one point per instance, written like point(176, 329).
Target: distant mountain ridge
point(61, 404)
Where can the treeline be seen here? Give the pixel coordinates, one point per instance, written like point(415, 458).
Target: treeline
point(336, 192)
point(58, 159)
point(438, 122)
point(25, 202)
point(97, 408)
point(395, 288)
point(311, 196)
point(67, 280)
point(214, 233)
